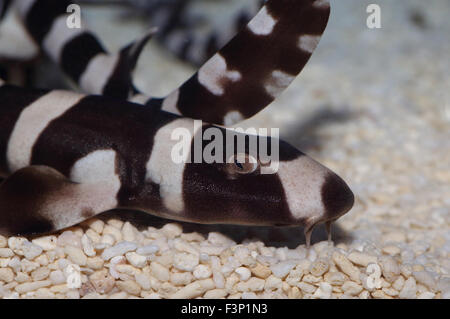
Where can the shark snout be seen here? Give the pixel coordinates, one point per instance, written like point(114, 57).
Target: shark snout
point(337, 198)
point(314, 193)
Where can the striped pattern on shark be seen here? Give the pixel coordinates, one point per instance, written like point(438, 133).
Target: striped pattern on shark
point(68, 156)
point(63, 165)
point(78, 51)
point(237, 82)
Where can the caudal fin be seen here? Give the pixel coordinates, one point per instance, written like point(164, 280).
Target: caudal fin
point(256, 66)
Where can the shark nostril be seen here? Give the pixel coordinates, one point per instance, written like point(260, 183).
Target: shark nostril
point(337, 197)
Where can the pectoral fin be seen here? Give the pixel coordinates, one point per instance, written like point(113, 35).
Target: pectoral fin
point(38, 199)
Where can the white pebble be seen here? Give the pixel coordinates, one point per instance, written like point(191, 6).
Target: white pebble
point(113, 231)
point(204, 257)
point(253, 284)
point(63, 263)
point(102, 281)
point(6, 252)
point(93, 236)
point(3, 241)
point(22, 277)
point(220, 240)
point(96, 225)
point(159, 271)
point(183, 246)
point(319, 267)
point(129, 232)
point(108, 240)
point(57, 277)
point(127, 269)
point(69, 238)
point(28, 266)
point(195, 289)
point(129, 286)
point(218, 278)
point(6, 274)
point(351, 288)
point(42, 260)
point(31, 286)
point(144, 280)
point(426, 295)
point(76, 255)
point(310, 279)
point(73, 294)
point(346, 266)
point(147, 250)
point(136, 260)
point(185, 261)
point(4, 262)
point(211, 250)
point(31, 250)
point(273, 283)
point(306, 288)
point(244, 273)
point(40, 273)
point(324, 291)
point(361, 259)
point(181, 278)
point(249, 295)
point(46, 242)
point(231, 264)
point(172, 230)
point(283, 268)
point(192, 237)
point(394, 237)
point(409, 289)
point(202, 272)
point(398, 283)
point(118, 250)
point(88, 247)
point(425, 278)
point(312, 255)
point(390, 268)
point(215, 294)
point(391, 250)
point(241, 253)
point(16, 243)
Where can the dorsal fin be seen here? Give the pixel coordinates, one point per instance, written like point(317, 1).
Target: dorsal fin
point(120, 82)
point(38, 199)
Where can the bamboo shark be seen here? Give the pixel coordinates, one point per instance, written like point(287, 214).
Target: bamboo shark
point(68, 156)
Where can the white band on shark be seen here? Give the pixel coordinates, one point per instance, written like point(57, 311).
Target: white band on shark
point(98, 72)
point(165, 172)
point(302, 181)
point(32, 122)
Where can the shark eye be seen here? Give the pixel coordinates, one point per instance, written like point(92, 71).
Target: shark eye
point(242, 164)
